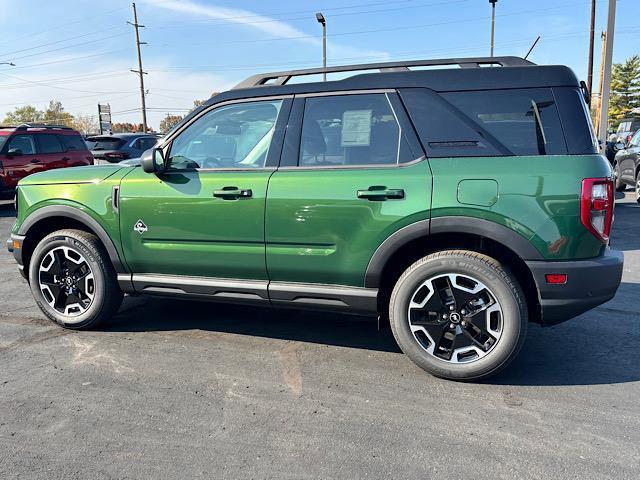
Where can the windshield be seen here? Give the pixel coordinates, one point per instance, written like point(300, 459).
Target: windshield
point(104, 143)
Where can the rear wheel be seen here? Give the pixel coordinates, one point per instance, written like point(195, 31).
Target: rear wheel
point(637, 192)
point(458, 315)
point(73, 281)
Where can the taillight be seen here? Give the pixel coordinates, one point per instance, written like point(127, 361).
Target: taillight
point(596, 207)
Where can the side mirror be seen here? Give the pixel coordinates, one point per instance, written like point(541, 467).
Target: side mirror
point(618, 146)
point(14, 152)
point(152, 161)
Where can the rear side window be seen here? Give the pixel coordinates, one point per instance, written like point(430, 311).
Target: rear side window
point(351, 130)
point(48, 143)
point(145, 143)
point(72, 143)
point(525, 121)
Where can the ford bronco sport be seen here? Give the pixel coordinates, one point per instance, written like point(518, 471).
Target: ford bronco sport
point(459, 203)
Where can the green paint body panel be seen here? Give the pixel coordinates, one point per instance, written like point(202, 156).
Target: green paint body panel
point(190, 232)
point(307, 225)
point(539, 197)
point(318, 231)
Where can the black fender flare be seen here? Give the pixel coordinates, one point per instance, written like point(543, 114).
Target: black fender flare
point(452, 224)
point(79, 216)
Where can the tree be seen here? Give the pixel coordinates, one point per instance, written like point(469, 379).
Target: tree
point(26, 114)
point(85, 124)
point(55, 114)
point(126, 127)
point(168, 122)
point(625, 88)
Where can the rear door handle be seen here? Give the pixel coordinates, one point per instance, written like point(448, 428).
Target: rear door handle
point(232, 193)
point(381, 193)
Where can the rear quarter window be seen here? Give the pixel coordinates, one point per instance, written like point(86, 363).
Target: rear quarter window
point(524, 121)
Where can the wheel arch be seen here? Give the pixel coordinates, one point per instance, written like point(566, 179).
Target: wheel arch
point(422, 238)
point(55, 217)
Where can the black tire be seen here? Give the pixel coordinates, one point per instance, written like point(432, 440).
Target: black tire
point(500, 285)
point(85, 247)
point(637, 187)
point(620, 187)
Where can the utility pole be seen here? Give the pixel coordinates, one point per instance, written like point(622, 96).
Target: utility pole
point(320, 18)
point(603, 41)
point(591, 34)
point(606, 75)
point(141, 73)
point(493, 21)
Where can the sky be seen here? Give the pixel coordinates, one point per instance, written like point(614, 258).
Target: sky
point(81, 52)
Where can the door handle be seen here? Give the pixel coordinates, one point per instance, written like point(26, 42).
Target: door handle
point(35, 160)
point(65, 159)
point(381, 193)
point(232, 193)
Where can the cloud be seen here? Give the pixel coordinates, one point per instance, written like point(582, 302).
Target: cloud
point(264, 24)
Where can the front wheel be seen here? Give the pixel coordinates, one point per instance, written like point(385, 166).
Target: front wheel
point(458, 315)
point(637, 192)
point(72, 279)
point(620, 187)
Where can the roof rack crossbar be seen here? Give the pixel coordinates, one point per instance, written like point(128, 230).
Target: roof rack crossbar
point(281, 78)
point(24, 126)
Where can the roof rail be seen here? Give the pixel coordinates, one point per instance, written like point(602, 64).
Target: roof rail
point(24, 126)
point(281, 78)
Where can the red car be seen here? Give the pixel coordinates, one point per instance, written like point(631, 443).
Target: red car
point(34, 148)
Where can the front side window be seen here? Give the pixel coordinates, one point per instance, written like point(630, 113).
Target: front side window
point(351, 130)
point(22, 143)
point(231, 136)
point(525, 121)
point(635, 141)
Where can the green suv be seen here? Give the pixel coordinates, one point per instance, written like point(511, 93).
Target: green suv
point(458, 203)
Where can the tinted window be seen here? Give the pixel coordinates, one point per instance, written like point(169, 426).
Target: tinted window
point(525, 121)
point(48, 143)
point(72, 143)
point(24, 143)
point(232, 136)
point(104, 143)
point(635, 141)
point(351, 130)
point(145, 143)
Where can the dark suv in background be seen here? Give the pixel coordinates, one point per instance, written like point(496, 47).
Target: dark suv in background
point(120, 146)
point(32, 148)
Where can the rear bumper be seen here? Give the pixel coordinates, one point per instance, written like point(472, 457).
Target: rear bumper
point(14, 245)
point(590, 283)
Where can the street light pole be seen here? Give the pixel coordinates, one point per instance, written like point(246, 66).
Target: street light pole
point(493, 21)
point(606, 75)
point(320, 18)
point(591, 34)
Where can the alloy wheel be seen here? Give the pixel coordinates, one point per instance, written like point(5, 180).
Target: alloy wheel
point(66, 281)
point(455, 318)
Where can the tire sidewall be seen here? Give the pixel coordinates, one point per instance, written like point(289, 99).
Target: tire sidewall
point(513, 316)
point(86, 250)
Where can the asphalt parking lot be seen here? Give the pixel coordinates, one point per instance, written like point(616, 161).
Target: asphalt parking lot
point(176, 389)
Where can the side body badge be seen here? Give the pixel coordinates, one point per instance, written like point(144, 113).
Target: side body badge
point(140, 227)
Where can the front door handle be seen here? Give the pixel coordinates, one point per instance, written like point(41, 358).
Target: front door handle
point(35, 160)
point(232, 193)
point(381, 193)
point(65, 159)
